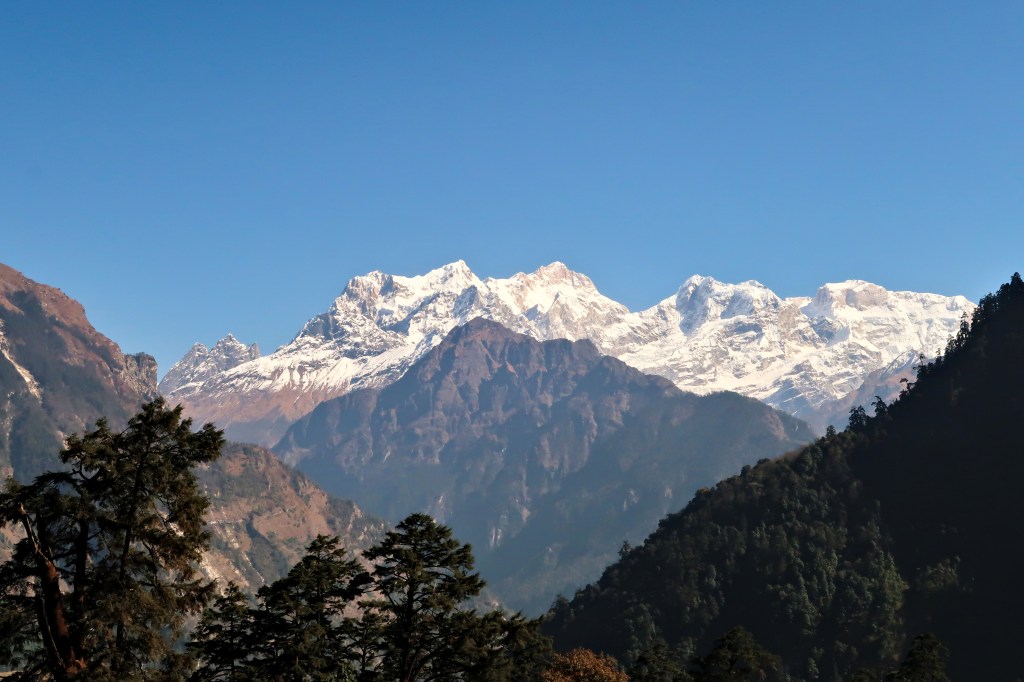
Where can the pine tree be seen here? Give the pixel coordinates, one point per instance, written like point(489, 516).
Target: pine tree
point(737, 657)
point(422, 575)
point(299, 629)
point(221, 641)
point(105, 577)
point(417, 626)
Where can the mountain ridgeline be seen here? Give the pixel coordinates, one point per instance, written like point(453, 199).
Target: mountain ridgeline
point(803, 355)
point(546, 456)
point(835, 557)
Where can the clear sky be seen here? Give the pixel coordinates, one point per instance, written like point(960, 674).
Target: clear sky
point(186, 169)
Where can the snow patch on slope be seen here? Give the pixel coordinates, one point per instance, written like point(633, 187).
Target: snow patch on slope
point(30, 381)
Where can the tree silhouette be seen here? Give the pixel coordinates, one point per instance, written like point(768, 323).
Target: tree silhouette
point(105, 577)
point(737, 657)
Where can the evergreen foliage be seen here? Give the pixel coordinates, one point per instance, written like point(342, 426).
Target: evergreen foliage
point(737, 657)
point(105, 576)
point(298, 630)
point(837, 555)
point(221, 641)
point(658, 663)
point(411, 623)
point(927, 661)
point(422, 574)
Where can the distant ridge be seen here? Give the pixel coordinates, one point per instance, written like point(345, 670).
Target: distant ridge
point(804, 355)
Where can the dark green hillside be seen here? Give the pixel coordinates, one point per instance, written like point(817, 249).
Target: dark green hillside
point(835, 558)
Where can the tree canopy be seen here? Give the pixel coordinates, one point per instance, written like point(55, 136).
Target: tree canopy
point(405, 619)
point(105, 576)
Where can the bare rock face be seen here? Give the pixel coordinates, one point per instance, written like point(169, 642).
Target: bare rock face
point(544, 456)
point(141, 373)
point(803, 355)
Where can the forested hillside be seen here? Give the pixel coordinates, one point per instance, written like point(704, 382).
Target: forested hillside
point(836, 557)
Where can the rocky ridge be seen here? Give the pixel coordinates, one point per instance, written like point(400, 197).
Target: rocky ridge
point(57, 374)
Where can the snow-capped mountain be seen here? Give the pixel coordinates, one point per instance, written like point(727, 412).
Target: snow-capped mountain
point(798, 354)
point(201, 364)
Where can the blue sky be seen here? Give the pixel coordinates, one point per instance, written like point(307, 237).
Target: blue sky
point(189, 169)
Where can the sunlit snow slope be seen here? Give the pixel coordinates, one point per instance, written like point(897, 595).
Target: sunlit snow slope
point(804, 355)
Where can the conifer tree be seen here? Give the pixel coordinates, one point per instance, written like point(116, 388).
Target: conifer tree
point(105, 576)
point(737, 657)
point(422, 577)
point(298, 631)
point(222, 640)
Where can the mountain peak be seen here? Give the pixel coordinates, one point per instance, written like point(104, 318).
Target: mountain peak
point(236, 351)
point(202, 363)
point(701, 299)
point(852, 293)
point(451, 277)
point(558, 272)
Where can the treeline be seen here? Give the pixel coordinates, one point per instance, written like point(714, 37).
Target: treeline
point(103, 584)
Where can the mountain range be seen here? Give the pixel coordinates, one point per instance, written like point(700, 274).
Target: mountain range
point(544, 455)
point(808, 356)
point(516, 426)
